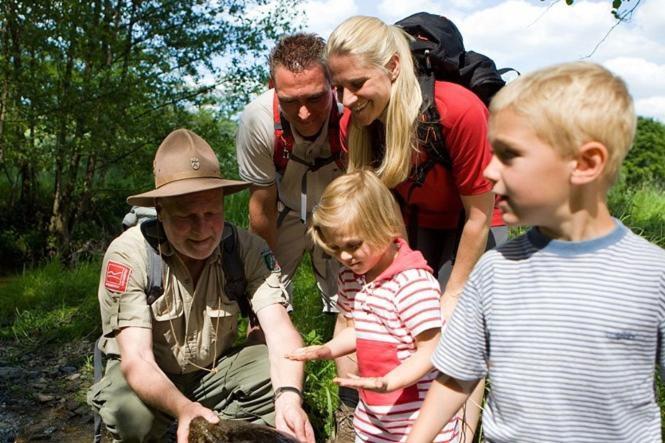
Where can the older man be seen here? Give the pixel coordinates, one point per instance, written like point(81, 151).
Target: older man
point(170, 355)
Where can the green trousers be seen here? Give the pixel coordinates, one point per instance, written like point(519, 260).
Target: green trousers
point(239, 390)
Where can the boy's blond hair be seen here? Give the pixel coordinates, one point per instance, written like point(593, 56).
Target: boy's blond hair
point(571, 104)
point(359, 204)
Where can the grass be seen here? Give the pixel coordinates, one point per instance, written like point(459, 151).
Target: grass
point(51, 304)
point(642, 209)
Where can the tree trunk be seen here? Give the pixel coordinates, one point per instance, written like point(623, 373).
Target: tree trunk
point(59, 235)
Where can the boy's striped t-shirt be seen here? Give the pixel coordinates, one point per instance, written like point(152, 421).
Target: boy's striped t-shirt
point(569, 334)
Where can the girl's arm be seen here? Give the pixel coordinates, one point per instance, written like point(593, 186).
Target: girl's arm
point(472, 244)
point(443, 400)
point(342, 344)
point(409, 372)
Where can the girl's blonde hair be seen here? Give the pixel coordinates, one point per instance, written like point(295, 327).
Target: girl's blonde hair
point(374, 43)
point(359, 204)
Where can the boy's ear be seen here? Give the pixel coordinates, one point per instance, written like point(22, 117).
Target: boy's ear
point(590, 163)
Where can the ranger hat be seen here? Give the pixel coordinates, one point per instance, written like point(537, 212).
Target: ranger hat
point(185, 163)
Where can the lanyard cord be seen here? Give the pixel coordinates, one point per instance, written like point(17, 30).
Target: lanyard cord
point(175, 336)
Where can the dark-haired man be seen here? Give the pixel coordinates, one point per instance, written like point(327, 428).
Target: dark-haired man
point(288, 148)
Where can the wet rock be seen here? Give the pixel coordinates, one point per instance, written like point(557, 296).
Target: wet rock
point(234, 431)
point(39, 385)
point(71, 405)
point(9, 372)
point(67, 369)
point(43, 434)
point(44, 397)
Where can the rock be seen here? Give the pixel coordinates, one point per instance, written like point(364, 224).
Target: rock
point(67, 369)
point(74, 376)
point(44, 397)
point(44, 434)
point(234, 431)
point(9, 372)
point(71, 405)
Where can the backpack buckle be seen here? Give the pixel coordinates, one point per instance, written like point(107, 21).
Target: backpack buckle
point(428, 62)
point(286, 155)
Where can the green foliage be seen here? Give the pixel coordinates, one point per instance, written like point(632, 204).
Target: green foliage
point(50, 304)
point(641, 208)
point(646, 159)
point(316, 327)
point(89, 89)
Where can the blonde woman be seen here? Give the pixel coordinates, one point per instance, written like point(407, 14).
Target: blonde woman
point(388, 294)
point(449, 211)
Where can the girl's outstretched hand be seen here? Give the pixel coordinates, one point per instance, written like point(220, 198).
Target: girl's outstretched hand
point(316, 352)
point(376, 384)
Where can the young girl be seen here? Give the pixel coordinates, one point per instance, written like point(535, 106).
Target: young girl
point(389, 296)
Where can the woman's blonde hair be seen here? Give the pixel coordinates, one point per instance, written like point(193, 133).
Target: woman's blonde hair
point(374, 43)
point(571, 104)
point(359, 204)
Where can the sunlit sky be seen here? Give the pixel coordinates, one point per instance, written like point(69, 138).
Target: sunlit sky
point(528, 35)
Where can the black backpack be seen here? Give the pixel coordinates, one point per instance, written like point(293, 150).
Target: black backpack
point(439, 54)
point(235, 284)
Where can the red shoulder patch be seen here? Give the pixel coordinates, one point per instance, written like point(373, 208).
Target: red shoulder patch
point(116, 276)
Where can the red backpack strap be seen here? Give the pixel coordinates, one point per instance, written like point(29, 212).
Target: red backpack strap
point(283, 138)
point(334, 136)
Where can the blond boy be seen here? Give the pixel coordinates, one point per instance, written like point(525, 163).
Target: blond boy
point(566, 321)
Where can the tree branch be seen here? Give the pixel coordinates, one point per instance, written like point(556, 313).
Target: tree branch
point(620, 18)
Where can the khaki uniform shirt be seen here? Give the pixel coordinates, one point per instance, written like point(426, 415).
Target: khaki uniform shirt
point(189, 324)
point(255, 146)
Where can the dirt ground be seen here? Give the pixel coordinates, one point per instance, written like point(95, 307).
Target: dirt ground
point(42, 392)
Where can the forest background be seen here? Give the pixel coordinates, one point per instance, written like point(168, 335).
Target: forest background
point(87, 92)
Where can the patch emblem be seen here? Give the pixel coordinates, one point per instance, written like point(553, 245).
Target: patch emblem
point(270, 261)
point(195, 163)
point(116, 276)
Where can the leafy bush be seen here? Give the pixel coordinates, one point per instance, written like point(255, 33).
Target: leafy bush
point(641, 208)
point(646, 160)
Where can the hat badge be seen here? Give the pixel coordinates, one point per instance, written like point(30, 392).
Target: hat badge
point(196, 164)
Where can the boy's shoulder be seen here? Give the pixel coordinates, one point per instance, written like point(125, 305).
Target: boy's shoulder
point(644, 250)
point(517, 248)
point(623, 244)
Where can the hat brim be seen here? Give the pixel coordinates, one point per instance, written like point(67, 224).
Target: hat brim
point(186, 186)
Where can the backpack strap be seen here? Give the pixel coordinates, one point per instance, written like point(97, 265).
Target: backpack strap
point(153, 233)
point(284, 141)
point(283, 138)
point(430, 130)
point(235, 284)
point(430, 137)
